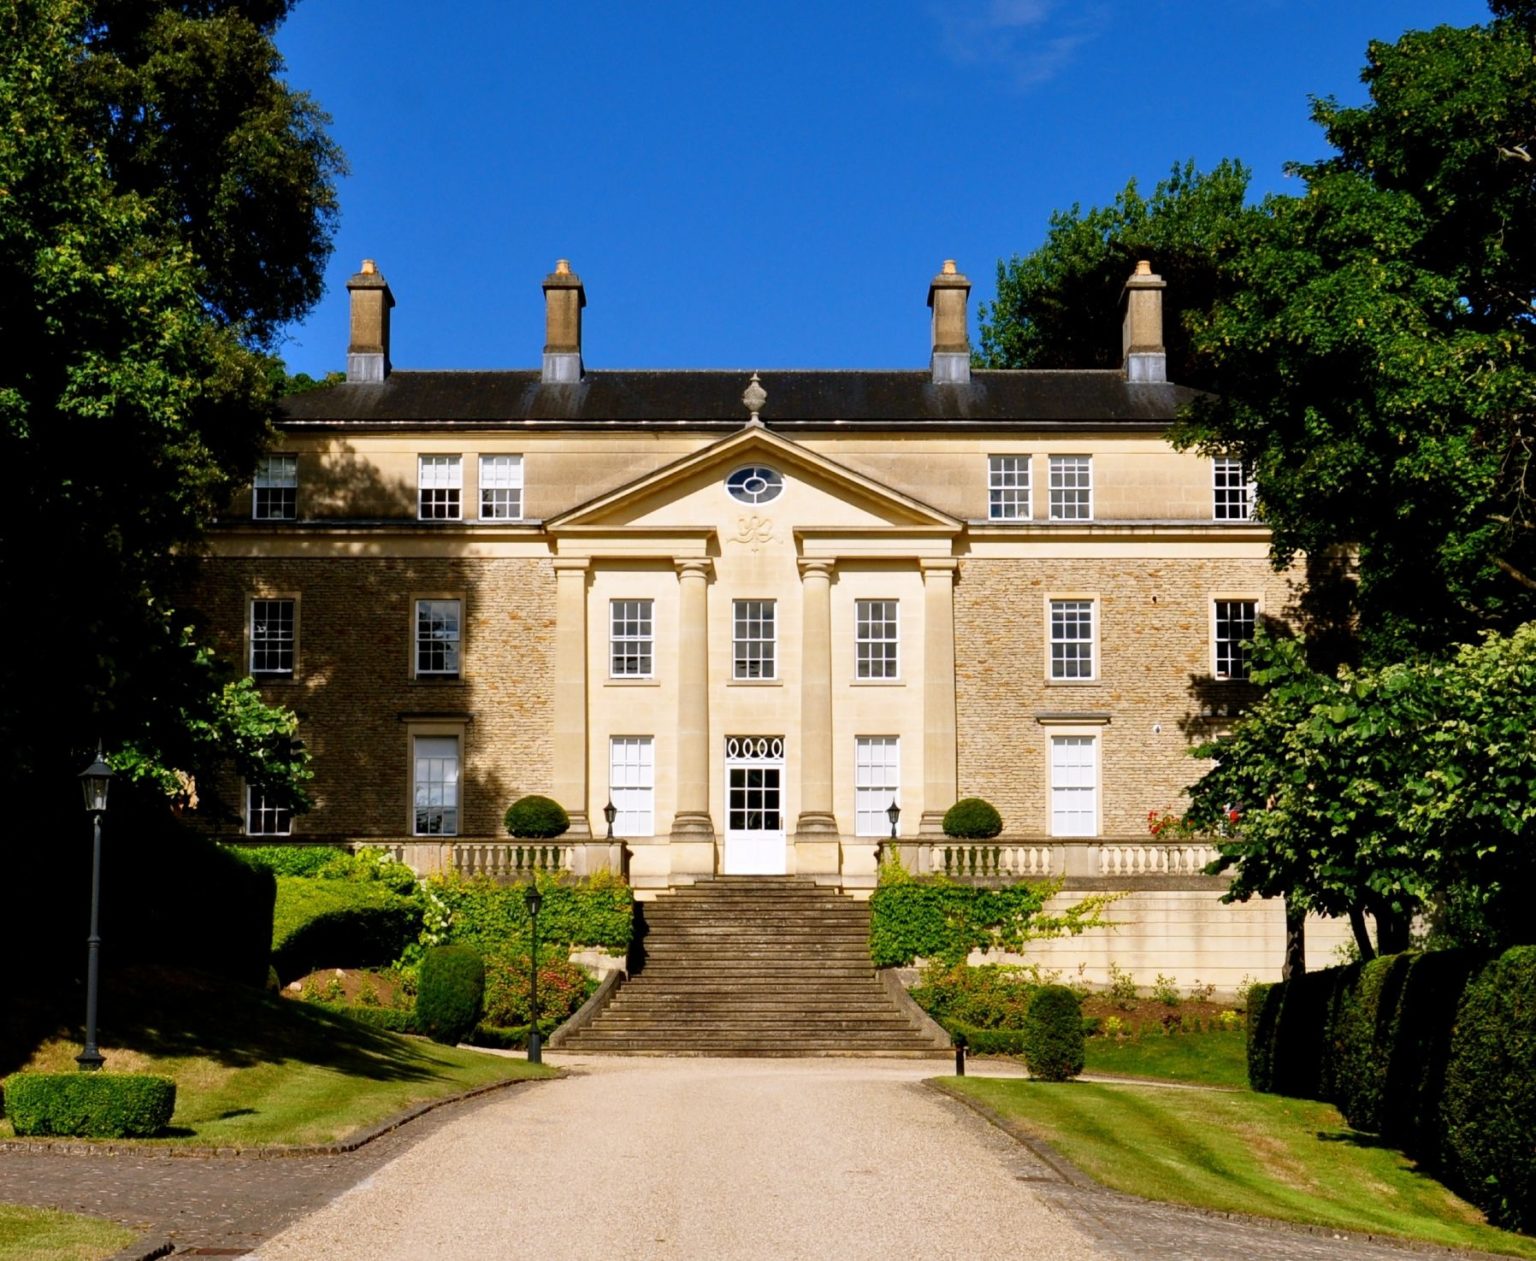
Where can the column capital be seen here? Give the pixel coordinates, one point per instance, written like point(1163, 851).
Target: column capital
point(571, 564)
point(816, 566)
point(700, 566)
point(939, 565)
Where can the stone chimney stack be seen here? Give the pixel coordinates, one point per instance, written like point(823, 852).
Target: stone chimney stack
point(1146, 361)
point(951, 360)
point(368, 353)
point(564, 296)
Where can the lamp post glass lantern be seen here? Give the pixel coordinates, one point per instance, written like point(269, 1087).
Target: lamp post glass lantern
point(610, 813)
point(94, 782)
point(535, 1044)
point(893, 813)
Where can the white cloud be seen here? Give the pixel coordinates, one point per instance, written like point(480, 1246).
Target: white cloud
point(1030, 41)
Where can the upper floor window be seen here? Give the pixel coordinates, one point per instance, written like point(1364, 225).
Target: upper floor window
point(437, 637)
point(1071, 639)
point(1008, 487)
point(439, 487)
point(877, 639)
point(1234, 622)
point(1071, 488)
point(263, 815)
point(275, 492)
point(755, 484)
point(753, 639)
point(501, 487)
point(272, 636)
point(630, 640)
point(435, 785)
point(1231, 490)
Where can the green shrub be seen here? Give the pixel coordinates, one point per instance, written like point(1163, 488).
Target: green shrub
point(1420, 1040)
point(1122, 991)
point(1053, 1034)
point(563, 987)
point(1489, 1108)
point(943, 921)
point(89, 1105)
point(598, 912)
point(451, 993)
point(1263, 1014)
point(972, 819)
point(536, 818)
point(330, 862)
point(340, 924)
point(508, 1038)
point(394, 1019)
point(992, 996)
point(1302, 1032)
point(1360, 1046)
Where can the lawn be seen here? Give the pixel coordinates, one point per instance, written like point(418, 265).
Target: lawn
point(43, 1234)
point(1218, 1058)
point(251, 1068)
point(1232, 1149)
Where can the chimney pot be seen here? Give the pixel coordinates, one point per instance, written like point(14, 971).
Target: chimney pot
point(368, 350)
point(564, 296)
point(951, 358)
point(1146, 359)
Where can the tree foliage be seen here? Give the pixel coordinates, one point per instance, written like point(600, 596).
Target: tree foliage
point(1369, 343)
point(1384, 791)
point(165, 202)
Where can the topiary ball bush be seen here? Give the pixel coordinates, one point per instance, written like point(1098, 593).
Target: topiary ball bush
point(536, 818)
point(972, 819)
point(1053, 1034)
point(450, 993)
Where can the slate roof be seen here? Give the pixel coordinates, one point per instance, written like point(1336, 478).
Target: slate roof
point(1017, 399)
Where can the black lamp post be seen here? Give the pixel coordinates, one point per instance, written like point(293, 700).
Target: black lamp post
point(535, 1044)
point(94, 780)
point(610, 813)
point(893, 813)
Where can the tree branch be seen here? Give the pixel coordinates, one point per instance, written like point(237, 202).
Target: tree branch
point(1525, 580)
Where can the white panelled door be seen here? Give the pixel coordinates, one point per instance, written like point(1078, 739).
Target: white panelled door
point(754, 806)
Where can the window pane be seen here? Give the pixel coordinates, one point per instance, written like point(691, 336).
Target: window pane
point(1071, 639)
point(632, 785)
point(630, 639)
point(272, 636)
point(501, 487)
point(1071, 488)
point(1008, 487)
point(275, 488)
point(1235, 621)
point(1232, 490)
point(753, 639)
point(439, 483)
point(876, 639)
point(1074, 764)
point(264, 817)
point(435, 785)
point(877, 783)
point(437, 637)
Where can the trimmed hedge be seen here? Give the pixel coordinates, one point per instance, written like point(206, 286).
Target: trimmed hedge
point(1053, 1034)
point(89, 1105)
point(330, 862)
point(972, 819)
point(393, 1019)
point(536, 818)
point(1489, 1110)
point(1262, 1015)
point(451, 993)
point(339, 924)
point(509, 1037)
point(1362, 1041)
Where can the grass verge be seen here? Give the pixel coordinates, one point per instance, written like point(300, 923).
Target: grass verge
point(1241, 1152)
point(1218, 1058)
point(44, 1234)
point(252, 1069)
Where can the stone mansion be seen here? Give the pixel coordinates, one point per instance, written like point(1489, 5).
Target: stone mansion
point(755, 610)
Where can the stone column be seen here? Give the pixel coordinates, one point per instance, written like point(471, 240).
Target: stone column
point(939, 751)
point(691, 823)
point(570, 778)
point(818, 848)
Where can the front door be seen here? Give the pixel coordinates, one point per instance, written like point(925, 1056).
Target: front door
point(754, 806)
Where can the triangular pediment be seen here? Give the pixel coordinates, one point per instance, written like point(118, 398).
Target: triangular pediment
point(818, 492)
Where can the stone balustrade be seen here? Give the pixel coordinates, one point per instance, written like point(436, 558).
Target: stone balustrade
point(1003, 858)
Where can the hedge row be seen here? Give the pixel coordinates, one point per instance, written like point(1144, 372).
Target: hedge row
point(339, 924)
point(89, 1105)
point(1436, 1052)
point(598, 912)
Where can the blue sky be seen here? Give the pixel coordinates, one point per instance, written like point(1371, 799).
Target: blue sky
point(755, 185)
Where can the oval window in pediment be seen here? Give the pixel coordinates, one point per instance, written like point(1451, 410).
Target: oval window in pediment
point(754, 484)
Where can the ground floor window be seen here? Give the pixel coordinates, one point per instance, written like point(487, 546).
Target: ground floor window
point(1074, 786)
point(876, 783)
point(264, 816)
point(435, 785)
point(632, 785)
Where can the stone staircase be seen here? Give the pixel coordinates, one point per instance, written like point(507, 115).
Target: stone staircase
point(753, 965)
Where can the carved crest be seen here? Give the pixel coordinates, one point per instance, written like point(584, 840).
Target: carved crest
point(753, 530)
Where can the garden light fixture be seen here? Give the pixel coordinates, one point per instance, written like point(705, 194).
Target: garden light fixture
point(535, 1044)
point(94, 781)
point(893, 813)
point(610, 813)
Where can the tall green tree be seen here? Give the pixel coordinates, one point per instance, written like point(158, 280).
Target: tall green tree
point(165, 203)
